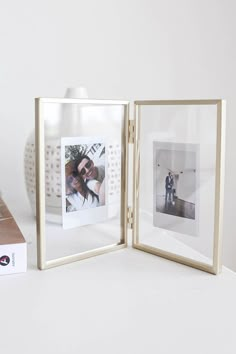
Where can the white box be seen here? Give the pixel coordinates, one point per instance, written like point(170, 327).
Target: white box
point(13, 247)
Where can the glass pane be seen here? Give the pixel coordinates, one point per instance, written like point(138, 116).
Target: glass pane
point(177, 179)
point(84, 162)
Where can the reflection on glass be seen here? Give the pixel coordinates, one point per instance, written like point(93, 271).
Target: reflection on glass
point(177, 179)
point(84, 162)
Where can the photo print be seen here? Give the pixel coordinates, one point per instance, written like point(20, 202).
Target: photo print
point(175, 177)
point(83, 181)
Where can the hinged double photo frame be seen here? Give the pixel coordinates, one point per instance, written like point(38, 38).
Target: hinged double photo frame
point(101, 172)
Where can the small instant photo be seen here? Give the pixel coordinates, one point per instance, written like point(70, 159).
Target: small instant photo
point(84, 181)
point(102, 175)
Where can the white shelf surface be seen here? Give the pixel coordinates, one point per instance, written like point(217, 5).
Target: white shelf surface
point(126, 302)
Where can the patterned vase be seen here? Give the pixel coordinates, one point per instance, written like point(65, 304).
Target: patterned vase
point(52, 159)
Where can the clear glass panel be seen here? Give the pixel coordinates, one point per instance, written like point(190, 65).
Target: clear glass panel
point(177, 179)
point(84, 165)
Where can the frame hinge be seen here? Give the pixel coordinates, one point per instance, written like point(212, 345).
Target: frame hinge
point(130, 217)
point(131, 131)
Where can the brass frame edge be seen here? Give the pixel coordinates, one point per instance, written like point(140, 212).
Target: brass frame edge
point(84, 255)
point(40, 185)
point(81, 101)
point(219, 185)
point(176, 102)
point(124, 176)
point(176, 258)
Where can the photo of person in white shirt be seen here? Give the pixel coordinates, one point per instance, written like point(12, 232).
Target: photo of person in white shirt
point(79, 196)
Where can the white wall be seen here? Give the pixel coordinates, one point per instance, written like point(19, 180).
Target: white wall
point(117, 49)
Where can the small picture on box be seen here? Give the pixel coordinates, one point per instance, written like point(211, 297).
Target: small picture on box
point(84, 175)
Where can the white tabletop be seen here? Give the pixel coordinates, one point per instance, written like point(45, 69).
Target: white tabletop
point(126, 301)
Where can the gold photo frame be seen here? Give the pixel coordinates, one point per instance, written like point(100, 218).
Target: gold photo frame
point(220, 106)
point(129, 217)
point(43, 263)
